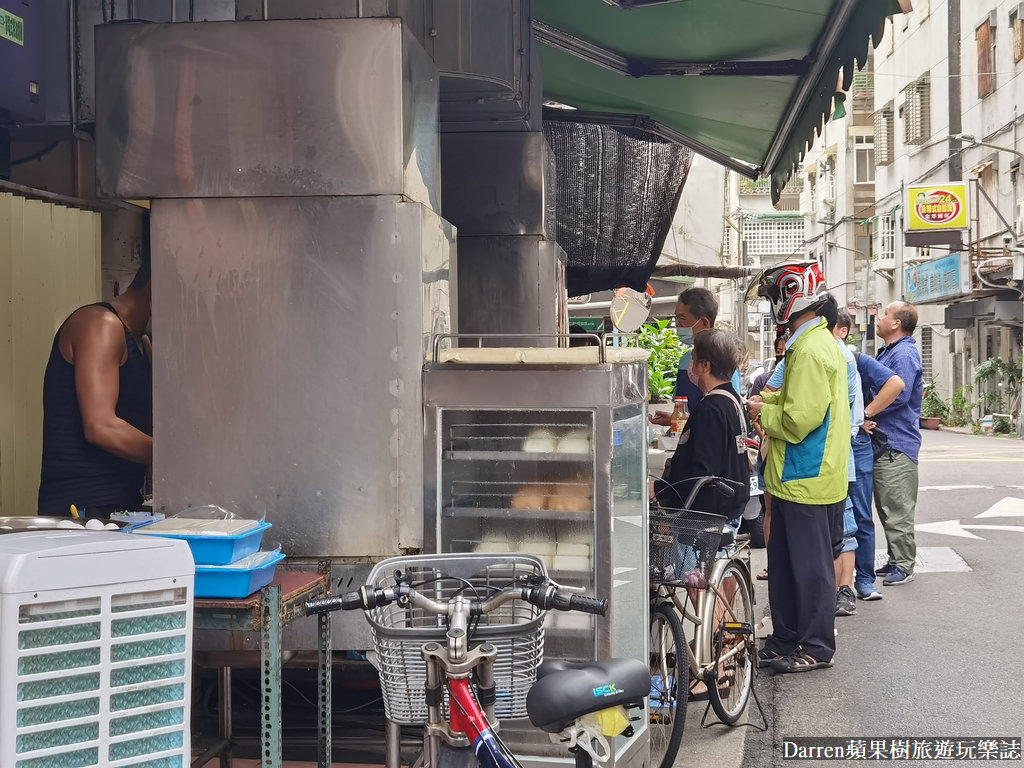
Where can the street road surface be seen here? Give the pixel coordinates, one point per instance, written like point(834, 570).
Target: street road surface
point(940, 656)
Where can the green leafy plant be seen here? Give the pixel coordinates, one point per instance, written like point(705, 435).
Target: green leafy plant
point(663, 344)
point(960, 408)
point(1001, 425)
point(1002, 379)
point(933, 406)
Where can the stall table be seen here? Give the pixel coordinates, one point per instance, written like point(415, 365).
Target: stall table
point(266, 612)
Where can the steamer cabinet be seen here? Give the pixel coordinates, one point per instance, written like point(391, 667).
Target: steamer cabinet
point(543, 450)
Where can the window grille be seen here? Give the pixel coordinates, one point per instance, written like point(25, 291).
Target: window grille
point(917, 112)
point(884, 137)
point(864, 88)
point(985, 35)
point(775, 236)
point(926, 353)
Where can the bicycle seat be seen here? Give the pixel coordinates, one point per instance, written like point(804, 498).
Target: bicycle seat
point(566, 690)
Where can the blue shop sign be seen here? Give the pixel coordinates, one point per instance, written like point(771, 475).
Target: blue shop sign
point(945, 278)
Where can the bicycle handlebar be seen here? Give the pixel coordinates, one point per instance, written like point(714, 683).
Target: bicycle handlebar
point(722, 485)
point(548, 596)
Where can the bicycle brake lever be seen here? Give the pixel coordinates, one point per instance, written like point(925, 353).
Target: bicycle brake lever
point(530, 579)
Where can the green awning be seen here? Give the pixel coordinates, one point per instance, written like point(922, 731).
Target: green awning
point(745, 83)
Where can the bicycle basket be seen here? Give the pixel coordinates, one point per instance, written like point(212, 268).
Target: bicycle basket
point(683, 546)
point(516, 629)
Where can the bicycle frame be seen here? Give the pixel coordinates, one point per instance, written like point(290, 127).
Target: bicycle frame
point(469, 723)
point(701, 619)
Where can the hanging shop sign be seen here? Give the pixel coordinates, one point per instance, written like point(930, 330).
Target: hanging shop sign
point(930, 208)
point(945, 278)
point(12, 27)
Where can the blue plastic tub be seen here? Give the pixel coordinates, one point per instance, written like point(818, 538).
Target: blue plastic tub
point(219, 550)
point(226, 581)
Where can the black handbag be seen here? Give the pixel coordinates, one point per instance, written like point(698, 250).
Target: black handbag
point(879, 443)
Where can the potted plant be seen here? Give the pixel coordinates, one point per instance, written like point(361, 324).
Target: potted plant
point(933, 408)
point(662, 342)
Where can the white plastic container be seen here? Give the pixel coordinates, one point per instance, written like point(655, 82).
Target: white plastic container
point(95, 648)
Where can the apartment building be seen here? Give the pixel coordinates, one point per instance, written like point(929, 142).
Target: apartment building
point(936, 105)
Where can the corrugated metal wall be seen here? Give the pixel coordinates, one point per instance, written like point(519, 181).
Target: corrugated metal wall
point(49, 265)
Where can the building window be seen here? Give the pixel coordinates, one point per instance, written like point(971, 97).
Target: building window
point(884, 135)
point(864, 159)
point(885, 245)
point(773, 235)
point(926, 353)
point(1017, 29)
point(985, 35)
point(917, 112)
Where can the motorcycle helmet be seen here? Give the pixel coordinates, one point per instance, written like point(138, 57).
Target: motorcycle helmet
point(789, 288)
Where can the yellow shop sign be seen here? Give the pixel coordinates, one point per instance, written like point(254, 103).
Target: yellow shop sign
point(937, 207)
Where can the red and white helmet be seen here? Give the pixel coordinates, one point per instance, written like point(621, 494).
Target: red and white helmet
point(790, 288)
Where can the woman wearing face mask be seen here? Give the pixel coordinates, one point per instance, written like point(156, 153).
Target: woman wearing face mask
point(713, 442)
point(696, 311)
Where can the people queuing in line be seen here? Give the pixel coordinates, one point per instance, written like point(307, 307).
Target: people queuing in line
point(879, 387)
point(696, 311)
point(879, 400)
point(845, 538)
point(807, 421)
point(895, 468)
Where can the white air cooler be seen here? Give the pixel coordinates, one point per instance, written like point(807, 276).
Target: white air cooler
point(95, 650)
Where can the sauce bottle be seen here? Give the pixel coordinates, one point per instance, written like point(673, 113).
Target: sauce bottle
point(680, 413)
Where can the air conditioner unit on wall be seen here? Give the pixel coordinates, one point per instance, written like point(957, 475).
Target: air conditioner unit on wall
point(826, 211)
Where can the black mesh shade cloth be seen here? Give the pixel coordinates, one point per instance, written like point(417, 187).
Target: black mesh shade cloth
point(616, 192)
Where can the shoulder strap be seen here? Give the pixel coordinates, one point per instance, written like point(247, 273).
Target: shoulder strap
point(736, 402)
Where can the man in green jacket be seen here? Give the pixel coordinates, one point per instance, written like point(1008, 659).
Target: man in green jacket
point(808, 424)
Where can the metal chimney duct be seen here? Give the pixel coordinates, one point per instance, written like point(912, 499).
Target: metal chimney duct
point(300, 265)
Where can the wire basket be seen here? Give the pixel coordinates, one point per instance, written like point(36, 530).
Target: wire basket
point(516, 629)
point(683, 546)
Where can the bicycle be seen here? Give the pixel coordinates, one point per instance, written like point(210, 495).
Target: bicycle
point(425, 611)
point(695, 558)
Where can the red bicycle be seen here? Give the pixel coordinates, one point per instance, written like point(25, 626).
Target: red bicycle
point(459, 645)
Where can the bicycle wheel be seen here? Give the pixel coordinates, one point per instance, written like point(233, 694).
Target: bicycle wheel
point(729, 681)
point(670, 685)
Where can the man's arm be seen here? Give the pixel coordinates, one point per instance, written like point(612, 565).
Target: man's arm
point(886, 396)
point(97, 350)
point(807, 399)
point(904, 366)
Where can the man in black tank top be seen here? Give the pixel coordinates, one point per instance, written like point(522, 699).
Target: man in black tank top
point(98, 407)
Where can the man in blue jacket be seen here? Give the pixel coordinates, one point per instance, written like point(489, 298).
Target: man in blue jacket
point(896, 469)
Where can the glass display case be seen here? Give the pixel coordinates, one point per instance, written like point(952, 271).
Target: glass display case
point(548, 458)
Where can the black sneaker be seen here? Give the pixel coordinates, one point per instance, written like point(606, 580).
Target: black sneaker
point(846, 602)
point(885, 570)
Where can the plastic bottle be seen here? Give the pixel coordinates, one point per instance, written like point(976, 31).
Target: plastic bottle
point(680, 413)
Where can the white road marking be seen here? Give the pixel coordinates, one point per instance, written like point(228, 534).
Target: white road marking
point(1005, 507)
point(954, 528)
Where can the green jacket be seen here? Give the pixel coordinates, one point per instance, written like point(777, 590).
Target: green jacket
point(808, 421)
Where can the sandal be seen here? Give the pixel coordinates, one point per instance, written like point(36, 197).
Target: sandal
point(763, 575)
point(698, 695)
point(765, 658)
point(798, 661)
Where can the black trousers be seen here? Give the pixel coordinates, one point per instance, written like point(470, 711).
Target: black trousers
point(801, 578)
